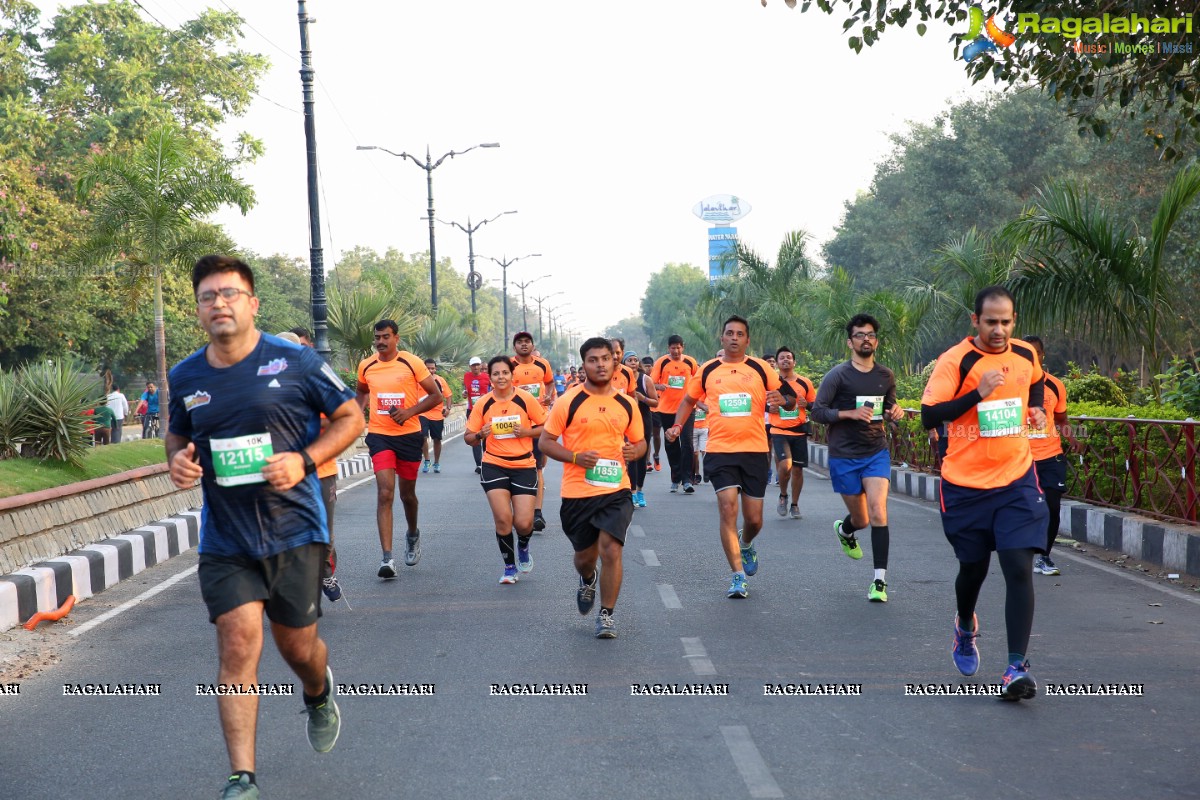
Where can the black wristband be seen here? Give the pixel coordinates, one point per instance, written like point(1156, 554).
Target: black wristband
point(310, 466)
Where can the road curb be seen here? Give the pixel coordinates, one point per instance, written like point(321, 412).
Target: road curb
point(1168, 545)
point(46, 585)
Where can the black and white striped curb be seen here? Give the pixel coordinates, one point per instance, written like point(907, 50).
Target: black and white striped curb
point(90, 570)
point(85, 572)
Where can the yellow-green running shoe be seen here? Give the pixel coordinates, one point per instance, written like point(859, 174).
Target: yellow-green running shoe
point(877, 593)
point(849, 543)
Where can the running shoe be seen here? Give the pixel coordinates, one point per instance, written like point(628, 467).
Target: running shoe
point(437, 467)
point(585, 598)
point(657, 465)
point(849, 543)
point(539, 522)
point(412, 548)
point(964, 649)
point(738, 587)
point(324, 720)
point(524, 560)
point(781, 507)
point(1018, 684)
point(332, 589)
point(749, 559)
point(425, 466)
point(674, 488)
point(241, 789)
point(510, 574)
point(387, 568)
point(606, 626)
point(688, 488)
point(1049, 567)
point(877, 591)
point(794, 511)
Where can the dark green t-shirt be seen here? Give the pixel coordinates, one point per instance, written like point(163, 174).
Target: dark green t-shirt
point(104, 417)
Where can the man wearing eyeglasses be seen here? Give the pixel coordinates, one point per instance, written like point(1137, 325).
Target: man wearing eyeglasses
point(853, 400)
point(246, 421)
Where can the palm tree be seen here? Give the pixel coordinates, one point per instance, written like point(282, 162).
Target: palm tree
point(444, 338)
point(352, 317)
point(148, 214)
point(1084, 266)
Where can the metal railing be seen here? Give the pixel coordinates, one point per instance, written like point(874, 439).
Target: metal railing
point(1144, 465)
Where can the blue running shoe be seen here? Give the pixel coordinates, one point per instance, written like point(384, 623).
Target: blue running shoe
point(964, 650)
point(585, 597)
point(437, 467)
point(425, 466)
point(524, 560)
point(510, 574)
point(332, 589)
point(1018, 684)
point(749, 559)
point(738, 588)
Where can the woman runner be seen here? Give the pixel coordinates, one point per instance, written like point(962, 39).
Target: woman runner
point(505, 422)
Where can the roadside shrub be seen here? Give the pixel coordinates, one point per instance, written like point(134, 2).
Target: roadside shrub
point(57, 395)
point(1095, 388)
point(1181, 384)
point(14, 416)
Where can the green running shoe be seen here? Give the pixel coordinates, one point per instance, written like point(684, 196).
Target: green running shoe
point(849, 543)
point(325, 720)
point(877, 593)
point(240, 789)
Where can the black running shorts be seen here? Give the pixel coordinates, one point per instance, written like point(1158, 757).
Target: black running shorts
point(584, 517)
point(744, 471)
point(515, 481)
point(289, 582)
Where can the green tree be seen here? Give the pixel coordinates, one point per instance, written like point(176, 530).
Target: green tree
point(1156, 88)
point(1083, 265)
point(444, 339)
point(633, 331)
point(671, 302)
point(147, 214)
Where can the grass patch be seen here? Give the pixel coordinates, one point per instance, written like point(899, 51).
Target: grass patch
point(23, 475)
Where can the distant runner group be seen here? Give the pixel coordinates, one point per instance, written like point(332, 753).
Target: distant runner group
point(258, 419)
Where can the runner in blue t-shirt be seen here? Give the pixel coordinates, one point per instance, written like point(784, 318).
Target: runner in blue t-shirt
point(245, 421)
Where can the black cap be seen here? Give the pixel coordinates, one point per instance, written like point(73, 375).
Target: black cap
point(522, 335)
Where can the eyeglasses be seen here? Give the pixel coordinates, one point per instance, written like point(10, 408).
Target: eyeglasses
point(858, 337)
point(230, 293)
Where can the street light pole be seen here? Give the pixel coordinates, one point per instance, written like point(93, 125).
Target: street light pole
point(504, 264)
point(316, 257)
point(429, 165)
point(539, 301)
point(524, 309)
point(472, 282)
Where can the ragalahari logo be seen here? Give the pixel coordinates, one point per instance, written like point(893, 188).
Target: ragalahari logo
point(984, 36)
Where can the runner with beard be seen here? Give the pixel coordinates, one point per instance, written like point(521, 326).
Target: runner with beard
point(854, 399)
point(789, 434)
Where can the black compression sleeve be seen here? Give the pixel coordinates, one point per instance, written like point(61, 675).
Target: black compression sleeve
point(932, 416)
point(1037, 394)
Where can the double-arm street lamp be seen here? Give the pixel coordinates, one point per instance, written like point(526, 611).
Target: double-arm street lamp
point(429, 165)
point(539, 301)
point(524, 308)
point(504, 265)
point(474, 279)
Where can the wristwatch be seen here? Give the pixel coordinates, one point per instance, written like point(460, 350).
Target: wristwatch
point(310, 466)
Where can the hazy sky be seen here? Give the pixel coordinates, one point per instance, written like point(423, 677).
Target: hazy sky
point(614, 119)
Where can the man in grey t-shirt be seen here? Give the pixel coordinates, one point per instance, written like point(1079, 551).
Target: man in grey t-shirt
point(853, 400)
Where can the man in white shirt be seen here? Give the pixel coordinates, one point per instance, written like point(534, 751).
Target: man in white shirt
point(120, 406)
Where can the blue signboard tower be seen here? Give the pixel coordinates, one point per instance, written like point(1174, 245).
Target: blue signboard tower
point(720, 210)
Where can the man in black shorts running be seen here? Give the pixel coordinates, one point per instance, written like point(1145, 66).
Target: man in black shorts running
point(245, 412)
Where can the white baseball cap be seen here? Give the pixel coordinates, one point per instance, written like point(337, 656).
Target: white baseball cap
point(474, 360)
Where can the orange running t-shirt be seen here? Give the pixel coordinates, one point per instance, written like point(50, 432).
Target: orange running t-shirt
point(987, 447)
point(502, 447)
point(1048, 443)
point(789, 423)
point(392, 384)
point(597, 422)
point(674, 375)
point(536, 377)
point(624, 380)
point(437, 412)
point(736, 396)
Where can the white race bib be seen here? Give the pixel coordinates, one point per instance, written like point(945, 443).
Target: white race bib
point(606, 474)
point(875, 400)
point(734, 404)
point(1001, 417)
point(240, 460)
point(534, 389)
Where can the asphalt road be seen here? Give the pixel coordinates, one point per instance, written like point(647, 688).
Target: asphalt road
point(448, 623)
